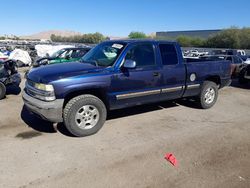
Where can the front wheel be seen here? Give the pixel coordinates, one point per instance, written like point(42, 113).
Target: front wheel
point(84, 115)
point(208, 95)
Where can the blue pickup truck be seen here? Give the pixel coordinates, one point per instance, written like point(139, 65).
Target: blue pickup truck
point(120, 74)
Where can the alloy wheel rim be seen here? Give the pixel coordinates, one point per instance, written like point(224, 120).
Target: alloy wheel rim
point(209, 95)
point(87, 117)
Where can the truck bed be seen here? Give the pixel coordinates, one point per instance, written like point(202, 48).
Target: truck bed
point(201, 69)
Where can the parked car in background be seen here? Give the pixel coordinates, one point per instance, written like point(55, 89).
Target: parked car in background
point(236, 64)
point(235, 52)
point(230, 52)
point(244, 75)
point(120, 74)
point(8, 76)
point(241, 52)
point(3, 56)
point(218, 52)
point(21, 57)
point(247, 61)
point(62, 56)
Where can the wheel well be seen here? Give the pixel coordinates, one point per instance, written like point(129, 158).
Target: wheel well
point(215, 79)
point(96, 92)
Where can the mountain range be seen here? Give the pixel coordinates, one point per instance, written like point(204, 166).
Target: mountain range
point(47, 34)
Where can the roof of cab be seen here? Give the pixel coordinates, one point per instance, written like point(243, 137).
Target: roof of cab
point(129, 41)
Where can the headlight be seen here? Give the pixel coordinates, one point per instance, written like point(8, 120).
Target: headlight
point(40, 91)
point(44, 87)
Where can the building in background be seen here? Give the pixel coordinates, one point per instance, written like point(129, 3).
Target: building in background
point(195, 33)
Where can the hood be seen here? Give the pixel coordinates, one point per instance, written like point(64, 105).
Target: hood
point(54, 72)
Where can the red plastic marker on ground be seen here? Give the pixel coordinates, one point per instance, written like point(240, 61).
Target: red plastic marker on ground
point(171, 158)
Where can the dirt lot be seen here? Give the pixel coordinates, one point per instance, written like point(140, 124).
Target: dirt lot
point(211, 146)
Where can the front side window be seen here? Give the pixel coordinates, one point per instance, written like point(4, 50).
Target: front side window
point(168, 54)
point(104, 54)
point(142, 54)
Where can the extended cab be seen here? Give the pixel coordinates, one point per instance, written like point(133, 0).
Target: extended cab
point(120, 74)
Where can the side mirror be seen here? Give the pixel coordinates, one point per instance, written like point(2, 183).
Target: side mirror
point(129, 64)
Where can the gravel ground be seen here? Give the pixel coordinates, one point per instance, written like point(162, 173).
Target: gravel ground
point(212, 146)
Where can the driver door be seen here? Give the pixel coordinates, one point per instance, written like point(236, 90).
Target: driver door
point(135, 86)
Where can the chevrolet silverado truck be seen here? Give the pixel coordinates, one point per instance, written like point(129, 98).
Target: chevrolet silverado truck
point(120, 74)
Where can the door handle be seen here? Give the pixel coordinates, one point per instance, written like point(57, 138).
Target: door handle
point(156, 74)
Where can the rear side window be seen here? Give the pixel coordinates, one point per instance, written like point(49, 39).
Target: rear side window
point(142, 54)
point(78, 53)
point(168, 54)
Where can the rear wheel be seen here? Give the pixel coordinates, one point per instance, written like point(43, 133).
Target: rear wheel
point(2, 90)
point(208, 95)
point(84, 115)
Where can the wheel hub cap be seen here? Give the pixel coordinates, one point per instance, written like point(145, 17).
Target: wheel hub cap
point(209, 95)
point(87, 117)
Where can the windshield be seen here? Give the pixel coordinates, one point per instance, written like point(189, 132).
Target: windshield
point(104, 54)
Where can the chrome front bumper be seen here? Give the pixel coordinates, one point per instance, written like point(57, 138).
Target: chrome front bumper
point(50, 111)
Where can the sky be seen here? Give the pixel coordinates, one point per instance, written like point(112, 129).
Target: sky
point(120, 17)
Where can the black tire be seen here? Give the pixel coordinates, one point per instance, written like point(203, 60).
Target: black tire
point(73, 106)
point(2, 90)
point(202, 97)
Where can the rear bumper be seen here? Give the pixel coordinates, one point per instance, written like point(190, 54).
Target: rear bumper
point(50, 111)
